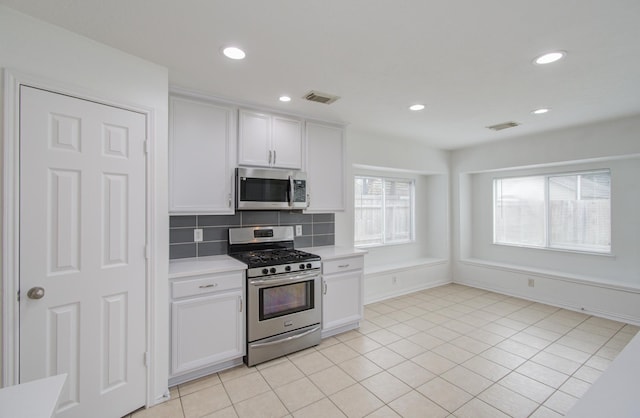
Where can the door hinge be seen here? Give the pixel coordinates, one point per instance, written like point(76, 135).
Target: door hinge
point(147, 252)
point(18, 295)
point(147, 359)
point(146, 146)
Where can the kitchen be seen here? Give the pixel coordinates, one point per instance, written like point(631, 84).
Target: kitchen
point(41, 50)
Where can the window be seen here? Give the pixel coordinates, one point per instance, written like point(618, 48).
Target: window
point(559, 211)
point(383, 210)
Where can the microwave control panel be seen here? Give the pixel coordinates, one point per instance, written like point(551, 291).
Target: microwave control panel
point(299, 190)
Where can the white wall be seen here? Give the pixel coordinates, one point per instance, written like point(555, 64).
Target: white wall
point(368, 153)
point(83, 66)
point(371, 154)
point(605, 285)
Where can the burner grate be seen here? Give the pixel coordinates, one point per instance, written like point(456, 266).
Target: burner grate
point(272, 257)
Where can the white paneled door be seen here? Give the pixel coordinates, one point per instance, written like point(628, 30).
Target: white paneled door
point(82, 251)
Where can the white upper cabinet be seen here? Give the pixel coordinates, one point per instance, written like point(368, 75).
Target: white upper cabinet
point(266, 140)
point(254, 142)
point(202, 146)
point(325, 167)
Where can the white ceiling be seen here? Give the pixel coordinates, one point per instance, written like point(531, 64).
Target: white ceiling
point(468, 61)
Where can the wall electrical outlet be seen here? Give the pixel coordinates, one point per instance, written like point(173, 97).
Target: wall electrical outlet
point(531, 282)
point(298, 230)
point(197, 235)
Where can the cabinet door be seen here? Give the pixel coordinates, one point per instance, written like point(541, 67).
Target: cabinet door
point(254, 139)
point(201, 157)
point(206, 330)
point(286, 142)
point(325, 167)
point(342, 299)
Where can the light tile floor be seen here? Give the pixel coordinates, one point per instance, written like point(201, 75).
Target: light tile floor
point(451, 351)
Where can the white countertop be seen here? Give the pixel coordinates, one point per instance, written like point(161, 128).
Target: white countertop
point(184, 267)
point(615, 393)
point(36, 399)
point(329, 252)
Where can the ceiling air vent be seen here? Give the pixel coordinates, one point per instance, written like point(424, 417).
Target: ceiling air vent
point(316, 96)
point(505, 125)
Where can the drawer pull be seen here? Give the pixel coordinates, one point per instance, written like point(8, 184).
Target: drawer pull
point(343, 266)
point(205, 286)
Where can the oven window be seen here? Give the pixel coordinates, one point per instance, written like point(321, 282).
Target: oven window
point(286, 299)
point(264, 190)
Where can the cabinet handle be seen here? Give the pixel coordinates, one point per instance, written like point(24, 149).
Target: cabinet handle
point(240, 304)
point(274, 157)
point(229, 200)
point(269, 157)
point(204, 286)
point(325, 288)
point(342, 266)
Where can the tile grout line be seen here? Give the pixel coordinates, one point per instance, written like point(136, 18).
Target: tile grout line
point(456, 295)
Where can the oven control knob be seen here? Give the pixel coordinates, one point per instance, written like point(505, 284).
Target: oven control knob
point(265, 271)
point(287, 268)
point(301, 266)
point(308, 265)
point(272, 270)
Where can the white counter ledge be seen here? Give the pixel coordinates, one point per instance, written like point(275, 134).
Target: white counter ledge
point(330, 252)
point(185, 267)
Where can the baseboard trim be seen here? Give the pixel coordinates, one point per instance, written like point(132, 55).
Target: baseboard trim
point(405, 291)
point(340, 330)
point(550, 274)
point(176, 380)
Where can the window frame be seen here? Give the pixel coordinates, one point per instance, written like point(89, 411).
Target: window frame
point(412, 210)
point(547, 223)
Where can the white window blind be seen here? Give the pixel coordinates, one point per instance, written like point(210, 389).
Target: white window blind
point(563, 211)
point(580, 212)
point(383, 210)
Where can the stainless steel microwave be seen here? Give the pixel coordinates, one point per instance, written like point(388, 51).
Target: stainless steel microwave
point(270, 189)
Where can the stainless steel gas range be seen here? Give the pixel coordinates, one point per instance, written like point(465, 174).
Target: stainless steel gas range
point(283, 292)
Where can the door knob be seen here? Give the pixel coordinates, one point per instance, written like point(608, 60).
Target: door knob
point(35, 293)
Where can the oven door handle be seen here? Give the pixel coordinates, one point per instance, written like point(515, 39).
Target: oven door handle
point(284, 340)
point(286, 280)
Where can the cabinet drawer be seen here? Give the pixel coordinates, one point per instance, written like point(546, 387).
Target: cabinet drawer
point(206, 284)
point(343, 264)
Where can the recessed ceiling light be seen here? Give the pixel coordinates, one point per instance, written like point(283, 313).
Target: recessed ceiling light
point(234, 53)
point(416, 107)
point(550, 57)
point(285, 98)
point(540, 111)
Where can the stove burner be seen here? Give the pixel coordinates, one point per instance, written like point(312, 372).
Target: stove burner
point(263, 258)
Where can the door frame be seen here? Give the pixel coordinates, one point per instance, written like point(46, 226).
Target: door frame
point(11, 219)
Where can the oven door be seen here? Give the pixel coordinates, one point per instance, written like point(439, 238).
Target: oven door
point(282, 303)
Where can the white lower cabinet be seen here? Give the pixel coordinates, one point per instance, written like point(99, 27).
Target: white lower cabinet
point(342, 298)
point(207, 324)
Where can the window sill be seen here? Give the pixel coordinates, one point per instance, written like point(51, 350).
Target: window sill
point(366, 246)
point(556, 250)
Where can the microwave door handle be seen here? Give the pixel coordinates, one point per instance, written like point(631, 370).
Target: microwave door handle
point(291, 191)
